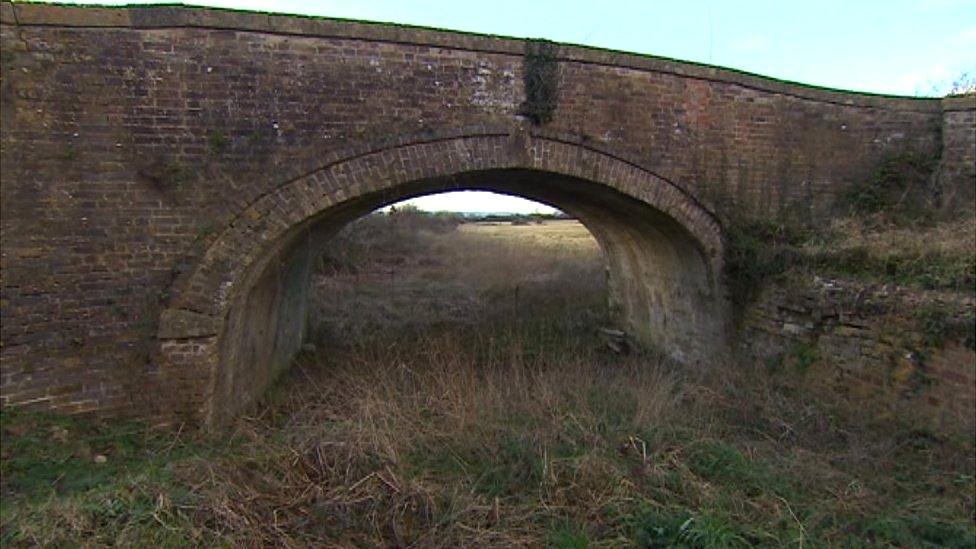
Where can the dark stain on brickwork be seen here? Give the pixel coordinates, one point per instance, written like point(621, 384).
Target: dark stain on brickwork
point(540, 76)
point(163, 175)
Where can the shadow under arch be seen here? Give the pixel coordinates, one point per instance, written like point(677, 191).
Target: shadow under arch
point(239, 317)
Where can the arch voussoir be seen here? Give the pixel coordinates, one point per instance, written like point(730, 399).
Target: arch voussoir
point(344, 179)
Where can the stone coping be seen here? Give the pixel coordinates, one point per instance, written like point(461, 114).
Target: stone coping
point(180, 16)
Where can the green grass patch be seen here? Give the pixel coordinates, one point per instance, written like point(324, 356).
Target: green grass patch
point(681, 529)
point(69, 481)
point(725, 466)
point(887, 530)
point(567, 535)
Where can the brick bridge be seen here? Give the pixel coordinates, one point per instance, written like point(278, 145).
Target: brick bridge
point(168, 173)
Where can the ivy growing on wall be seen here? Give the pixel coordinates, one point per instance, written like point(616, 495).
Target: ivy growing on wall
point(540, 75)
point(900, 189)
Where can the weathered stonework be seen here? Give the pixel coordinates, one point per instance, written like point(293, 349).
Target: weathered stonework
point(167, 171)
point(872, 341)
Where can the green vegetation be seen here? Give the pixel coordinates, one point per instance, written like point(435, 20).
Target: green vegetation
point(540, 69)
point(217, 142)
point(938, 327)
point(930, 270)
point(755, 253)
point(69, 154)
point(205, 229)
point(682, 529)
point(937, 257)
point(69, 481)
point(254, 138)
point(568, 536)
point(900, 190)
point(165, 174)
point(894, 235)
point(804, 356)
point(460, 398)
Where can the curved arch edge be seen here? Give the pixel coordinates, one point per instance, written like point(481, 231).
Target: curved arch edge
point(193, 330)
point(208, 288)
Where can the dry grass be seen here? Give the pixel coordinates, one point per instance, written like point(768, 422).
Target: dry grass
point(955, 238)
point(439, 450)
point(450, 413)
point(557, 236)
point(917, 256)
point(490, 274)
point(941, 256)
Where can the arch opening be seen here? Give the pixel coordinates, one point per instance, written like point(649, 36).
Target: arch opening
point(237, 319)
point(661, 287)
point(462, 279)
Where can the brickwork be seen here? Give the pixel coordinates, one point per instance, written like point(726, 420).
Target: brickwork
point(155, 161)
point(956, 174)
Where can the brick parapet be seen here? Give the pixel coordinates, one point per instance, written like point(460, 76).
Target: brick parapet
point(168, 17)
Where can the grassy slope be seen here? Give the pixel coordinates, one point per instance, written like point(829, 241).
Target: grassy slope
point(446, 408)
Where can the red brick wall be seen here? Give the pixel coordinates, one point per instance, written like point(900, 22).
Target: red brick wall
point(956, 173)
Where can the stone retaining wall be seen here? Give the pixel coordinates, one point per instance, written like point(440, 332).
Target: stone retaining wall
point(913, 349)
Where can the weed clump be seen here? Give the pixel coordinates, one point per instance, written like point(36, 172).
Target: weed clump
point(217, 143)
point(165, 175)
point(664, 529)
point(756, 252)
point(540, 75)
point(901, 190)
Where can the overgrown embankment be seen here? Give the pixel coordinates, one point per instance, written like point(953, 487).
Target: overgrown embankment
point(881, 300)
point(473, 405)
point(890, 228)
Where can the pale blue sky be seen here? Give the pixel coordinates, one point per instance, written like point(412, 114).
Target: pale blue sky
point(905, 47)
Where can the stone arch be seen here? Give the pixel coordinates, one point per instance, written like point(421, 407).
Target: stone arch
point(237, 318)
